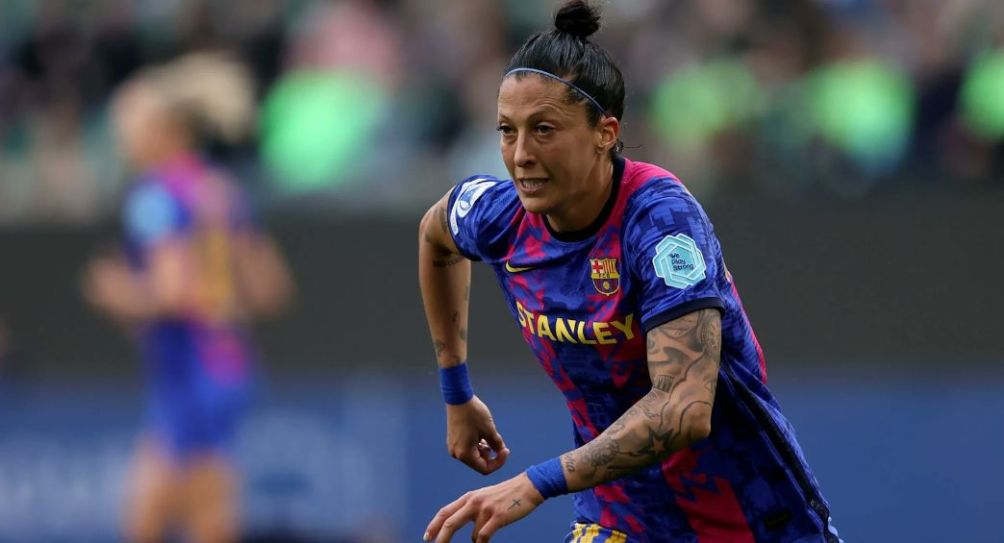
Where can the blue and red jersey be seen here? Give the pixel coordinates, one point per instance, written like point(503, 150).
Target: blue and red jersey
point(198, 365)
point(584, 302)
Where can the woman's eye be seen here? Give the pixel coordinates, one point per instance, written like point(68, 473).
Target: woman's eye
point(544, 129)
point(505, 130)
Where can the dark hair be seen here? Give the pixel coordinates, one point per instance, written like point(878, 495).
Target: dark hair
point(566, 52)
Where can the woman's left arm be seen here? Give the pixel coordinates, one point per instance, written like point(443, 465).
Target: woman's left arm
point(683, 360)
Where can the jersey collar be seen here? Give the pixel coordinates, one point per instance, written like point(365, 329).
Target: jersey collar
point(592, 229)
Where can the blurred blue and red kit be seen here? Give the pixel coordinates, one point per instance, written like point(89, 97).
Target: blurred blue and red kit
point(198, 366)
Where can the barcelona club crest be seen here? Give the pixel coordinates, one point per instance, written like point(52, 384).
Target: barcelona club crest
point(604, 274)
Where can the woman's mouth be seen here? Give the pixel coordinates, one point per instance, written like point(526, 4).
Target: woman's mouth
point(530, 185)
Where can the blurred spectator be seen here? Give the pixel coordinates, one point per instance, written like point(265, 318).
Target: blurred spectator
point(380, 103)
point(258, 27)
point(321, 116)
point(51, 65)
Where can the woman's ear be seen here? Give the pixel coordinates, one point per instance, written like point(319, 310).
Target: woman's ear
point(608, 131)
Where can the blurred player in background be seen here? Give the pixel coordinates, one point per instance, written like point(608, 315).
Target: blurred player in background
point(616, 279)
point(196, 270)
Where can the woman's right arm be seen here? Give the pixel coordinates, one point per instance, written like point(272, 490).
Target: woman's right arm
point(445, 280)
point(265, 280)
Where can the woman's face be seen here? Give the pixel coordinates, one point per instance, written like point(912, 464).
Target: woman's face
point(548, 146)
point(141, 124)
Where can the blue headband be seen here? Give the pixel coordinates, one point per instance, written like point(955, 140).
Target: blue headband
point(600, 108)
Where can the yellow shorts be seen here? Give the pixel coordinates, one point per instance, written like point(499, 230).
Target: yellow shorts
point(594, 533)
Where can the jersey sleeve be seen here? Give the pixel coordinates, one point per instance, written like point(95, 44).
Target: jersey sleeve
point(479, 211)
point(152, 215)
point(675, 258)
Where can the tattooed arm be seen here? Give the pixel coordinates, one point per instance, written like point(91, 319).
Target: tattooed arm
point(683, 360)
point(445, 279)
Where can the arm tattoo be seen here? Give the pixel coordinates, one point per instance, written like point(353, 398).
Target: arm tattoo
point(450, 260)
point(461, 330)
point(442, 355)
point(683, 361)
point(603, 453)
point(663, 383)
point(442, 258)
point(515, 504)
point(443, 223)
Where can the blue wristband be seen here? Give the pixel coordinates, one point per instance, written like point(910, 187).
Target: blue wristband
point(455, 384)
point(548, 478)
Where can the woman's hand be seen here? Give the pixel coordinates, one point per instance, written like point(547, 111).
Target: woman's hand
point(490, 509)
point(471, 437)
point(107, 283)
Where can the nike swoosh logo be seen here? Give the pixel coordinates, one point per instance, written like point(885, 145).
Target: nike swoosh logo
point(509, 268)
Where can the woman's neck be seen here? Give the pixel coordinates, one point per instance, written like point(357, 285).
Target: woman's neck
point(583, 211)
point(171, 147)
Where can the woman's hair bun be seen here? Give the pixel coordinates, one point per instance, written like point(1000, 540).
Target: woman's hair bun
point(577, 18)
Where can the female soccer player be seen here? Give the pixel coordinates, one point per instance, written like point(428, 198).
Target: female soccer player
point(614, 275)
point(196, 269)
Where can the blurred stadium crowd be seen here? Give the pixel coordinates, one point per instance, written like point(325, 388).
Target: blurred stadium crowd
point(386, 103)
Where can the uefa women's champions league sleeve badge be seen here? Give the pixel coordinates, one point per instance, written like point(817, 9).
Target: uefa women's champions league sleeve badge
point(678, 261)
point(469, 193)
point(603, 272)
